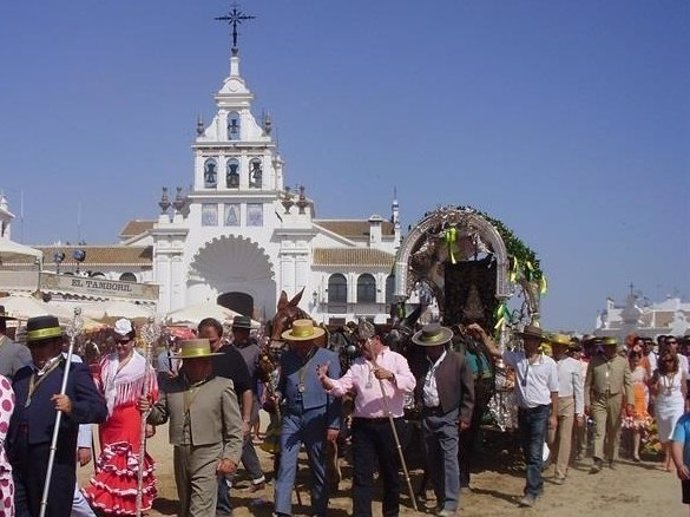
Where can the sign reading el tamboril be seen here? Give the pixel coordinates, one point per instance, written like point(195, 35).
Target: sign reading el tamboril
point(98, 287)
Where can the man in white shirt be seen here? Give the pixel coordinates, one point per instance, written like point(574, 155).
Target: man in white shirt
point(536, 390)
point(571, 405)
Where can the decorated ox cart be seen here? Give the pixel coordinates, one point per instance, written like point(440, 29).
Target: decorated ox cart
point(475, 270)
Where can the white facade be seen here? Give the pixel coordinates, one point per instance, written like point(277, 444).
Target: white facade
point(240, 231)
point(672, 316)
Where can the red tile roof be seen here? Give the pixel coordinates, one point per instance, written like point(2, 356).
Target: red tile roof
point(352, 257)
point(136, 227)
point(353, 228)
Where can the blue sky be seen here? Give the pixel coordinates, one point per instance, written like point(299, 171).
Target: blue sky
point(569, 121)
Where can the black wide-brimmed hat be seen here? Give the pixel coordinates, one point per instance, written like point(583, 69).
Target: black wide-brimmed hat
point(3, 314)
point(41, 328)
point(241, 322)
point(433, 334)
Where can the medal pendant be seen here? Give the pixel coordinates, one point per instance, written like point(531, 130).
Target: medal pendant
point(28, 402)
point(300, 388)
point(368, 385)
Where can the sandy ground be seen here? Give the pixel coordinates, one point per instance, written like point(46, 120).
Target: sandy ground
point(631, 489)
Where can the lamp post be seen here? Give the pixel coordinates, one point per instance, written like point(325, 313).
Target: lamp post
point(58, 258)
point(80, 256)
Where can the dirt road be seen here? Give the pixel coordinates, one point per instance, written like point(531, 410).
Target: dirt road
point(631, 489)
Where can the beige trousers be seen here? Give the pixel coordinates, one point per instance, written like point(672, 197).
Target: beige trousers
point(195, 477)
point(561, 437)
point(606, 413)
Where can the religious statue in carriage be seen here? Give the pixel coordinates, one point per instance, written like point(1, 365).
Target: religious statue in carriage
point(473, 269)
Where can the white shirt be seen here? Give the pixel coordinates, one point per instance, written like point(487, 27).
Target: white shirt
point(683, 363)
point(571, 382)
point(653, 360)
point(430, 391)
point(533, 382)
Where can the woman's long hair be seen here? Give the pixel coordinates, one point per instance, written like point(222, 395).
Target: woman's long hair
point(663, 367)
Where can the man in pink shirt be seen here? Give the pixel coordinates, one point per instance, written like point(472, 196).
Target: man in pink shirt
point(379, 379)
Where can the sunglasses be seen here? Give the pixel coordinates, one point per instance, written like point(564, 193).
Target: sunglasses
point(674, 342)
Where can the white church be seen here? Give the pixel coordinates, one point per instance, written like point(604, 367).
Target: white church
point(240, 236)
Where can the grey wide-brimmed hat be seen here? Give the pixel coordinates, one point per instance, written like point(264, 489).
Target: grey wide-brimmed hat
point(241, 322)
point(365, 330)
point(531, 331)
point(433, 334)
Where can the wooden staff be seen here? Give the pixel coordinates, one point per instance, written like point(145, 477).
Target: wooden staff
point(150, 332)
point(73, 331)
point(397, 441)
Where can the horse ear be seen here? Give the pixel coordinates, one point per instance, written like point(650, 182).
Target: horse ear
point(282, 301)
point(296, 299)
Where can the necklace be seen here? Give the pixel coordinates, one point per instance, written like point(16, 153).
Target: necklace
point(667, 383)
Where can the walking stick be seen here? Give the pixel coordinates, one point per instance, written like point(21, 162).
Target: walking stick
point(73, 331)
point(397, 442)
point(150, 332)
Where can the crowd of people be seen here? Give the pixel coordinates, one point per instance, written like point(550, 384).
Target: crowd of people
point(210, 387)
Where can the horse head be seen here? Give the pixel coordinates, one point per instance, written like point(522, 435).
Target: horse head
point(287, 312)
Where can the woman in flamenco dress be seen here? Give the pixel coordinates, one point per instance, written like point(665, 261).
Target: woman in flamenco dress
point(123, 377)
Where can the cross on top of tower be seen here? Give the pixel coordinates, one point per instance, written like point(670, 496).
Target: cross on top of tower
point(235, 17)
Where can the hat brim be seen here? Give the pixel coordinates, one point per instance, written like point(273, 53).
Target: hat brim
point(5, 317)
point(558, 343)
point(288, 336)
point(446, 336)
point(195, 356)
point(529, 334)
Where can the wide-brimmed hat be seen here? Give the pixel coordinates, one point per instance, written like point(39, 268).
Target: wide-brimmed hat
point(560, 339)
point(123, 327)
point(195, 349)
point(241, 322)
point(609, 341)
point(302, 330)
point(531, 331)
point(3, 314)
point(41, 328)
point(433, 334)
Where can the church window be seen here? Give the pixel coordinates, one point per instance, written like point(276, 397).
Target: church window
point(255, 173)
point(390, 289)
point(232, 175)
point(210, 173)
point(209, 214)
point(232, 214)
point(337, 293)
point(233, 126)
point(366, 289)
point(128, 277)
point(255, 214)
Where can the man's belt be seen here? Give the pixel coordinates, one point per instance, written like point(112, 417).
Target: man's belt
point(606, 393)
point(432, 411)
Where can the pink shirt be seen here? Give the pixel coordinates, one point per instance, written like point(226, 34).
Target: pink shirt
point(360, 379)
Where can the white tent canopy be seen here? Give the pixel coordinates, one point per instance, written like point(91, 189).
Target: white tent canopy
point(117, 309)
point(195, 313)
point(24, 307)
point(10, 251)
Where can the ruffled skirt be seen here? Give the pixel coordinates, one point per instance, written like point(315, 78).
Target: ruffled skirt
point(113, 489)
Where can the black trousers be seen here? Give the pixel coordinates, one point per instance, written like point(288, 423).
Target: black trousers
point(29, 473)
point(373, 439)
